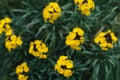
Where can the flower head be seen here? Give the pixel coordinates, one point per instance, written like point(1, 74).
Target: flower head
point(22, 77)
point(23, 68)
point(21, 71)
point(12, 42)
point(64, 65)
point(51, 12)
point(5, 27)
point(38, 48)
point(85, 6)
point(75, 38)
point(105, 39)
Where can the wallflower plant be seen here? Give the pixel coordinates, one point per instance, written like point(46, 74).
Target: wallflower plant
point(63, 51)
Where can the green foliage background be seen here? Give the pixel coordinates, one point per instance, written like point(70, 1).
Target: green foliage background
point(91, 63)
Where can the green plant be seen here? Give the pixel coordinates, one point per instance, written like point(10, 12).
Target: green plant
point(89, 63)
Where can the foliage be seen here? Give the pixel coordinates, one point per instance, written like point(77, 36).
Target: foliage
point(89, 63)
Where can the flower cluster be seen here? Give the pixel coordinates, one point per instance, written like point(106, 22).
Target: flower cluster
point(51, 12)
point(38, 48)
point(85, 6)
point(5, 27)
point(75, 38)
point(105, 39)
point(21, 70)
point(12, 42)
point(64, 65)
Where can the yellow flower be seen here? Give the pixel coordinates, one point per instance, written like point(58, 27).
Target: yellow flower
point(22, 77)
point(51, 12)
point(19, 41)
point(113, 37)
point(106, 39)
point(103, 45)
point(75, 47)
point(43, 56)
point(44, 48)
point(60, 70)
point(63, 57)
point(38, 48)
point(79, 2)
point(100, 36)
point(12, 42)
point(23, 64)
point(64, 66)
point(5, 27)
point(68, 73)
point(19, 69)
point(69, 63)
point(9, 32)
point(1, 31)
point(22, 68)
point(110, 45)
point(10, 45)
point(72, 35)
point(8, 20)
point(75, 38)
point(85, 9)
point(25, 67)
point(85, 6)
point(2, 22)
point(91, 4)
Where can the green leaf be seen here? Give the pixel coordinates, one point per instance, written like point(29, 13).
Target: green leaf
point(97, 68)
point(95, 62)
point(19, 10)
point(67, 6)
point(51, 61)
point(112, 62)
